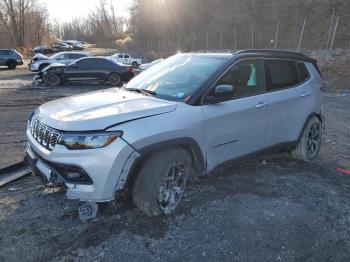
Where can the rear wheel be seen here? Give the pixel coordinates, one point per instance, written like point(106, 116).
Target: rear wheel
point(114, 79)
point(160, 184)
point(53, 79)
point(135, 64)
point(310, 142)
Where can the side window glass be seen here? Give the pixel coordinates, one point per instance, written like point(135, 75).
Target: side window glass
point(75, 56)
point(120, 56)
point(303, 72)
point(246, 77)
point(85, 63)
point(126, 56)
point(101, 63)
point(280, 74)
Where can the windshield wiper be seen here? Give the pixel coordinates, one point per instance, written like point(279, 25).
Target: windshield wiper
point(142, 91)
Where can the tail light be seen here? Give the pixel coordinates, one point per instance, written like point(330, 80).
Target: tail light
point(130, 69)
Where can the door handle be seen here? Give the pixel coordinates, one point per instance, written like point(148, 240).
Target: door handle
point(262, 104)
point(304, 94)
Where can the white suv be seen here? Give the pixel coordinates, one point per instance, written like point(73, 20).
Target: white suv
point(183, 117)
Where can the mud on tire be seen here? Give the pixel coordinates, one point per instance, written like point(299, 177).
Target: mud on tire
point(309, 143)
point(159, 185)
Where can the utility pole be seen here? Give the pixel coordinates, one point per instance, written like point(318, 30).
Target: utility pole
point(252, 29)
point(220, 41)
point(330, 29)
point(335, 30)
point(235, 38)
point(207, 41)
point(276, 35)
point(301, 35)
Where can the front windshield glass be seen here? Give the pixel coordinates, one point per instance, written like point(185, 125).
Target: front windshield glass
point(178, 77)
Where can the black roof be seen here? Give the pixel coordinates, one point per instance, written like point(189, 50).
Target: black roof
point(260, 52)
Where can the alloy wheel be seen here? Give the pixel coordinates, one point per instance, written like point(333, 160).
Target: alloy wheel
point(172, 188)
point(313, 140)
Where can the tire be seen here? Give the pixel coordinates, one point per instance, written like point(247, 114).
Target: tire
point(41, 67)
point(11, 65)
point(135, 64)
point(53, 79)
point(310, 142)
point(155, 192)
point(113, 79)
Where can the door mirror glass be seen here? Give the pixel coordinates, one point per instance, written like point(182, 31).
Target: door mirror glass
point(221, 93)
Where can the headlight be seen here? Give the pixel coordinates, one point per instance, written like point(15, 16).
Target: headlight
point(88, 141)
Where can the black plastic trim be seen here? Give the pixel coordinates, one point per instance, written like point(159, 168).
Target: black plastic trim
point(184, 141)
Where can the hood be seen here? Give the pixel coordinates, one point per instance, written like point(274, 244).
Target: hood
point(39, 57)
point(101, 109)
point(54, 65)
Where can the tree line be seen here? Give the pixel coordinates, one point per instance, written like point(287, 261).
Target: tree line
point(185, 24)
point(229, 24)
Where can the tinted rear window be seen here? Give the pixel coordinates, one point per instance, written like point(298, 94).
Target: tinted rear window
point(303, 72)
point(280, 74)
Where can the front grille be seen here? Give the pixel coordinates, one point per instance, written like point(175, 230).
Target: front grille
point(44, 135)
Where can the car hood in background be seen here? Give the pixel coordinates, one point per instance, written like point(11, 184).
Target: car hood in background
point(52, 66)
point(101, 109)
point(40, 57)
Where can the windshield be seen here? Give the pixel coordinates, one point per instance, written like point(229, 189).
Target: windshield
point(55, 56)
point(178, 77)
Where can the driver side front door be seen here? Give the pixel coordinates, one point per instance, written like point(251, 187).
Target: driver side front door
point(239, 126)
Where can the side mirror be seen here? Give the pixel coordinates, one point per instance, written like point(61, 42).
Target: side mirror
point(221, 93)
point(58, 58)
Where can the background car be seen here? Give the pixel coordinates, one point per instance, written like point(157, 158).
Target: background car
point(148, 65)
point(39, 61)
point(88, 69)
point(59, 47)
point(10, 58)
point(126, 59)
point(42, 49)
point(77, 45)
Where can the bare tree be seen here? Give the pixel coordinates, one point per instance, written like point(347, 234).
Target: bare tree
point(25, 22)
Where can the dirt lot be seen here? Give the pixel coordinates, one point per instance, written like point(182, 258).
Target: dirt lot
point(269, 208)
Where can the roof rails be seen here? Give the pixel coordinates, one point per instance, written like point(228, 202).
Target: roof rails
point(270, 51)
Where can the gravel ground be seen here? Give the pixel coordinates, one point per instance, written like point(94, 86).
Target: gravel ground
point(269, 208)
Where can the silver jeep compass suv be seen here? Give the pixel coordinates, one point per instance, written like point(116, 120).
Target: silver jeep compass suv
point(183, 117)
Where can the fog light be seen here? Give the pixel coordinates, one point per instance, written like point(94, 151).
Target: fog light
point(73, 175)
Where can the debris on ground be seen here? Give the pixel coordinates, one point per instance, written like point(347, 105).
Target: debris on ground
point(13, 172)
point(343, 171)
point(88, 211)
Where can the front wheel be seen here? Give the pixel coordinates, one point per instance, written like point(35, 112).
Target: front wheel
point(113, 79)
point(310, 142)
point(160, 184)
point(11, 65)
point(53, 79)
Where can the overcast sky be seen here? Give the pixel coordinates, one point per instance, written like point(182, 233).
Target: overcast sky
point(65, 10)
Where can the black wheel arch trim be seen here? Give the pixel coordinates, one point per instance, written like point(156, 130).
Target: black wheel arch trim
point(186, 142)
point(314, 114)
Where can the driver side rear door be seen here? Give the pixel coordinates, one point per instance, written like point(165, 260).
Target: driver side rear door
point(239, 126)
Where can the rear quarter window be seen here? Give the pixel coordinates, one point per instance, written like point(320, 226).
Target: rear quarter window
point(280, 74)
point(303, 72)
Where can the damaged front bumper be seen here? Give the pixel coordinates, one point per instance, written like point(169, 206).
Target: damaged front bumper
point(38, 79)
point(92, 175)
